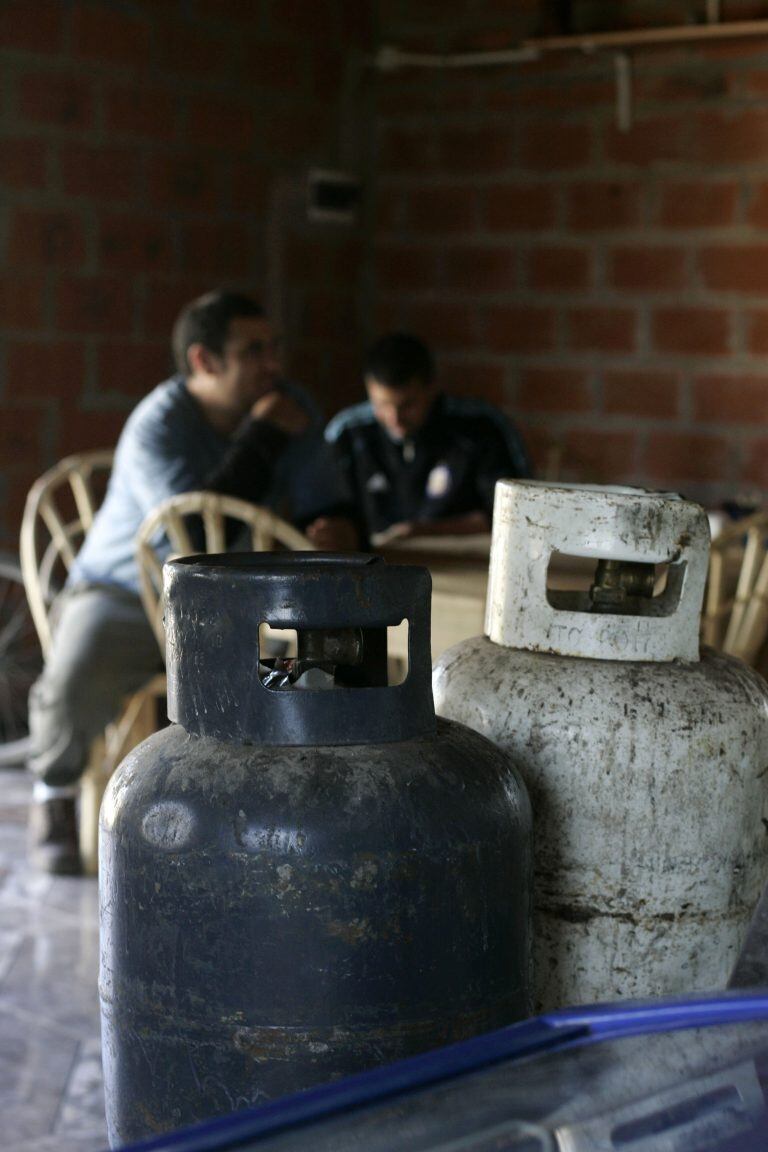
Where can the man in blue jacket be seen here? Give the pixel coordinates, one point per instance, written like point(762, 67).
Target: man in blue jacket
point(225, 422)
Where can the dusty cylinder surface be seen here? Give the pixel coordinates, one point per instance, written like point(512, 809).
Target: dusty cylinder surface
point(647, 773)
point(278, 915)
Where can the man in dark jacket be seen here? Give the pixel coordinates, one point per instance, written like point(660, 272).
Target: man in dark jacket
point(417, 461)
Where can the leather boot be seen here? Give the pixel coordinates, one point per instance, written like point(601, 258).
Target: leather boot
point(53, 839)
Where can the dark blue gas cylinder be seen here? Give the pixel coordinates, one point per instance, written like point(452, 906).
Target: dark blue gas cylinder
point(297, 883)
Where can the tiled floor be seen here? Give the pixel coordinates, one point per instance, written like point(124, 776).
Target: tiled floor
point(51, 1096)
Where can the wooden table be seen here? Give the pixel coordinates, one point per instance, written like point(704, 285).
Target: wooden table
point(459, 569)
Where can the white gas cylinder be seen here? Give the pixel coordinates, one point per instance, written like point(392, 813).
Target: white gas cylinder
point(646, 761)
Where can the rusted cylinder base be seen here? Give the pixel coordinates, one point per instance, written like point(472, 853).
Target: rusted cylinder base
point(273, 918)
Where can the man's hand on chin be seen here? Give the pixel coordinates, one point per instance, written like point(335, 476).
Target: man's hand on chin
point(333, 534)
point(281, 410)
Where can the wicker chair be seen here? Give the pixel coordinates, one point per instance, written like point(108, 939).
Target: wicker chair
point(735, 617)
point(59, 512)
point(259, 527)
point(60, 509)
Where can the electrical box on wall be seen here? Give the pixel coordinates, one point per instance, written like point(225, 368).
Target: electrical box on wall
point(332, 196)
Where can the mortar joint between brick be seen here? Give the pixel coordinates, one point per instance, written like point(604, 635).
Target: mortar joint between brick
point(50, 283)
point(4, 381)
point(90, 383)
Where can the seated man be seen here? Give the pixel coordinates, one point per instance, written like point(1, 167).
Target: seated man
point(225, 422)
point(418, 461)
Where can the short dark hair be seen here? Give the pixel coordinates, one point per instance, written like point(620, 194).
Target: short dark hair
point(206, 321)
point(398, 359)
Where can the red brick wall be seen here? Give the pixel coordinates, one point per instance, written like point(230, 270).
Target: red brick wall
point(610, 289)
point(148, 152)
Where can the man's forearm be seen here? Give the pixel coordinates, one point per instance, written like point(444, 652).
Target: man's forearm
point(246, 469)
point(467, 524)
point(463, 525)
